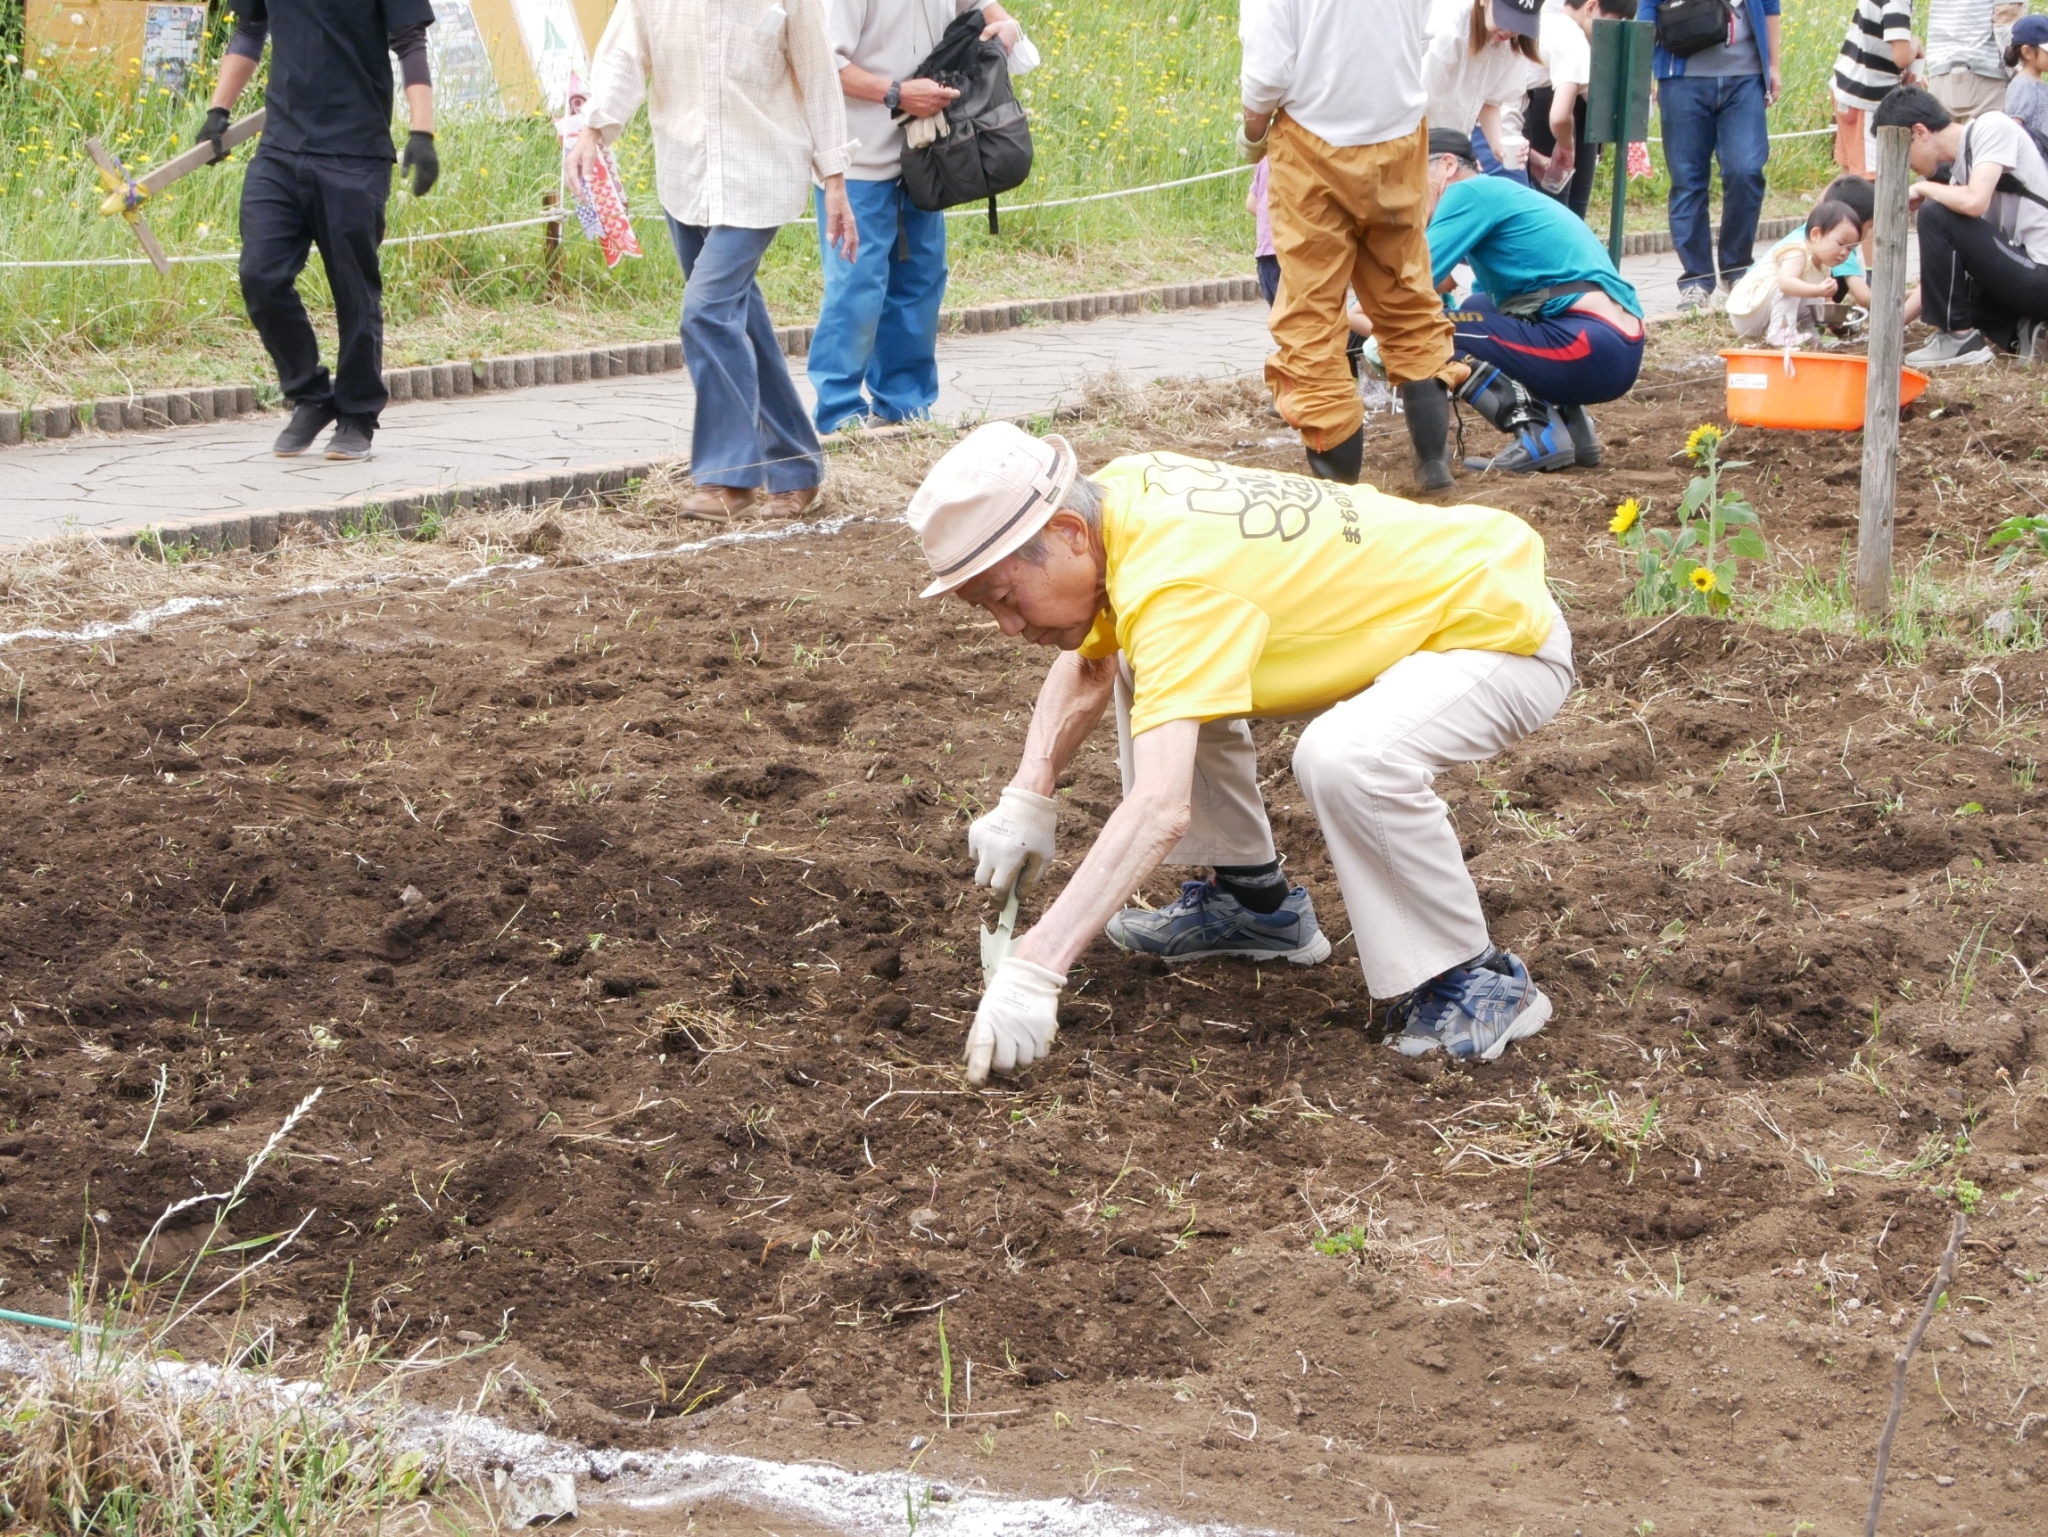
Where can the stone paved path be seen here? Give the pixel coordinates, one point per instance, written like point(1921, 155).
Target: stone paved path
point(202, 474)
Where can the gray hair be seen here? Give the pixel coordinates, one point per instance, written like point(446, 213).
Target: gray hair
point(1084, 500)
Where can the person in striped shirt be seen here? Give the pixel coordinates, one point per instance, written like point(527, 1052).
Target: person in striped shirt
point(1877, 54)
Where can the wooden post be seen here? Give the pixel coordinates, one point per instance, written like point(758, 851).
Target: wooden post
point(1881, 389)
point(551, 244)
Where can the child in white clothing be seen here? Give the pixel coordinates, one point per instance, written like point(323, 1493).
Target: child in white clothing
point(1777, 297)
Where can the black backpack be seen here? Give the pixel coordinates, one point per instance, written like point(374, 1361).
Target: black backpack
point(1687, 27)
point(988, 147)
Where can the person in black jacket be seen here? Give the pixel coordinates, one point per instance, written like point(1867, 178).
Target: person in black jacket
point(322, 176)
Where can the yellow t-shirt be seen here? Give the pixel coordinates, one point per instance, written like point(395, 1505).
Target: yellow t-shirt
point(1248, 592)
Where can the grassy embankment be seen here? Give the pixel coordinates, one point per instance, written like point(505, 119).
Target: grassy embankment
point(1132, 92)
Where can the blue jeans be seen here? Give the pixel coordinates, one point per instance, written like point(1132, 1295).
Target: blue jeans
point(1718, 117)
point(751, 427)
point(879, 323)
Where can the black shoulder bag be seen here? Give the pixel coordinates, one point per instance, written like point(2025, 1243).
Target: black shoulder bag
point(1687, 27)
point(987, 147)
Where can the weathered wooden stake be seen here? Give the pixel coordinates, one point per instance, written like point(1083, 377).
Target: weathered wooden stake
point(551, 244)
point(1881, 391)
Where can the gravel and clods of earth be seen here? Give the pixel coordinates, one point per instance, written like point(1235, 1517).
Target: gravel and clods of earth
point(622, 911)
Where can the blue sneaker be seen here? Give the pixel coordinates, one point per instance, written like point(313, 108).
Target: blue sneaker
point(1472, 1013)
point(1205, 920)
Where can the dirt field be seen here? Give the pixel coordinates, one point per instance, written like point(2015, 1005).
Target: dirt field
point(623, 914)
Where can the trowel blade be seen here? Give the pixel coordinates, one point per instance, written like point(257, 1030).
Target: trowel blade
point(995, 942)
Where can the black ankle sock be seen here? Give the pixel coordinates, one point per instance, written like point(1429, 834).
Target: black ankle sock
point(1492, 958)
point(1261, 888)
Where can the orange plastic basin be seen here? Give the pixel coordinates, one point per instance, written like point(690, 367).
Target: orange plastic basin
point(1812, 390)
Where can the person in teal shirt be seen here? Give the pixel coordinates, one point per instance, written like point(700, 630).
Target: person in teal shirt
point(1550, 327)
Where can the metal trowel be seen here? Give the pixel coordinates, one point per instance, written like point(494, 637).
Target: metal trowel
point(995, 943)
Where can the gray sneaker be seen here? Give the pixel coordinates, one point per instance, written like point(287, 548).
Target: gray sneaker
point(351, 441)
point(1205, 920)
point(1472, 1013)
point(2032, 350)
point(1952, 349)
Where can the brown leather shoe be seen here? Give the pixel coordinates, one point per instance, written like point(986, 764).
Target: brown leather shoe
point(792, 504)
point(718, 504)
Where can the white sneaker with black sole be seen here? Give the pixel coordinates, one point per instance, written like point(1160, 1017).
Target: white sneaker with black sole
point(1952, 349)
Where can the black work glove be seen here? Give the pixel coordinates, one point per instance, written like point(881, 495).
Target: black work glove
point(419, 158)
point(210, 132)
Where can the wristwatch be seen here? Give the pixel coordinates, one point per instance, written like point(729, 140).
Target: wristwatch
point(893, 97)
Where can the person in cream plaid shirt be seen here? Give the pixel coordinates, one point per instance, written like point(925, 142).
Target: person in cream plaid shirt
point(746, 107)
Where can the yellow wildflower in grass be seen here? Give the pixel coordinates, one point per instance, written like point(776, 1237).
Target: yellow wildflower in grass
point(1626, 516)
point(1704, 439)
point(1702, 579)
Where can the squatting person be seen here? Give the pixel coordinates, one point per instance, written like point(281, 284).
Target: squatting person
point(1551, 326)
point(322, 176)
point(1198, 596)
point(1983, 227)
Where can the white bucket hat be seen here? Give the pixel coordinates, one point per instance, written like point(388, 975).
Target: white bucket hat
point(985, 499)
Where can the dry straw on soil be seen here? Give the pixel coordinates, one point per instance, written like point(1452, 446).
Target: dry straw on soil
point(161, 1417)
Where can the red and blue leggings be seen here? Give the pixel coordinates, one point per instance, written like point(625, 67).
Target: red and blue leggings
point(1573, 359)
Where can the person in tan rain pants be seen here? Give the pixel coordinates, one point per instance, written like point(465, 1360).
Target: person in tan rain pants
point(1333, 98)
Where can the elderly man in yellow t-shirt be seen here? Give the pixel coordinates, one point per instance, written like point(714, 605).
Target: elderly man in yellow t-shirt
point(1197, 596)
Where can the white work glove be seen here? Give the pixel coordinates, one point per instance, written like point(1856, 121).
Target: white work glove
point(1252, 150)
point(1017, 1020)
point(1013, 842)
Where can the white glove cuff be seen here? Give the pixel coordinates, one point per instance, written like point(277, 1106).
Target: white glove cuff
point(1032, 976)
point(1032, 798)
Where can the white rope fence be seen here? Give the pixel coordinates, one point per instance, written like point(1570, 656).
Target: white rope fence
point(566, 216)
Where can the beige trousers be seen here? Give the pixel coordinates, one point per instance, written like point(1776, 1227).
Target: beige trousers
point(1965, 95)
point(1368, 768)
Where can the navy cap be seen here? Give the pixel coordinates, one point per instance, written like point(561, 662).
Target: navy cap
point(2032, 29)
point(1523, 16)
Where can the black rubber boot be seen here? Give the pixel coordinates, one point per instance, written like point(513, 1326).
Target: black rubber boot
point(1585, 441)
point(1427, 406)
point(1340, 462)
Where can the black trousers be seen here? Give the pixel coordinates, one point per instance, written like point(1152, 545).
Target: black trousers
point(290, 203)
point(1578, 192)
point(1970, 278)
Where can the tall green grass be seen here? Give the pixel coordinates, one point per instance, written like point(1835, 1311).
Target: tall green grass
point(1131, 92)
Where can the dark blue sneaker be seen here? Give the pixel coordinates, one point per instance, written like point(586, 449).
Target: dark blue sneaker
point(1472, 1013)
point(1205, 920)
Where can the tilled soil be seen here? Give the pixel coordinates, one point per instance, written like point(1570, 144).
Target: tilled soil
point(624, 920)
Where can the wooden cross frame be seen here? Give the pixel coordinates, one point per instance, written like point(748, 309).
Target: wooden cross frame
point(126, 194)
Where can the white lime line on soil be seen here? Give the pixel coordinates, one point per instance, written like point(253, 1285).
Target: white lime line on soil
point(145, 620)
point(853, 1503)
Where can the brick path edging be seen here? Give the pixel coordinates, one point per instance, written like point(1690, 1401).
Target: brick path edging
point(443, 381)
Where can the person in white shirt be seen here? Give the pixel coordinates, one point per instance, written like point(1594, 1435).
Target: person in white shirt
point(1332, 94)
point(1561, 158)
point(874, 351)
point(1474, 69)
point(1983, 231)
point(746, 108)
point(1964, 70)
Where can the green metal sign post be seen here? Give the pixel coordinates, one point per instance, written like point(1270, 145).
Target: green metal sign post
point(1618, 104)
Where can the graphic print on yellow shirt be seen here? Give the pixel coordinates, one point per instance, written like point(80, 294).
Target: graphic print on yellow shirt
point(1248, 592)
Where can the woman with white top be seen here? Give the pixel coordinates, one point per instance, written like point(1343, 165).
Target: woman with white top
point(1481, 57)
